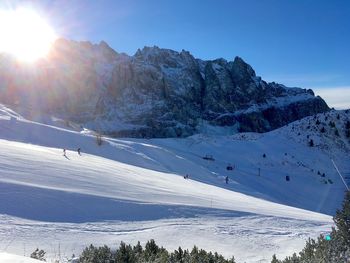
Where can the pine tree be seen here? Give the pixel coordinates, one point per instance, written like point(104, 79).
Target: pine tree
point(347, 125)
point(178, 256)
point(292, 259)
point(323, 251)
point(194, 254)
point(274, 259)
point(125, 254)
point(151, 250)
point(295, 258)
point(342, 221)
point(151, 254)
point(308, 253)
point(138, 250)
point(336, 133)
point(93, 254)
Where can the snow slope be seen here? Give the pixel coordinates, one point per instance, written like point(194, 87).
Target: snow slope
point(38, 171)
point(285, 155)
point(134, 190)
point(9, 258)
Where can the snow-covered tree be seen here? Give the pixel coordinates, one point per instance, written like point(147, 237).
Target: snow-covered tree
point(342, 221)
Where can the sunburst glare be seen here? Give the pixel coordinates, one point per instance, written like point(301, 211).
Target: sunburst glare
point(24, 34)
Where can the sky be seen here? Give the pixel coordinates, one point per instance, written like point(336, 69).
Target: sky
point(303, 43)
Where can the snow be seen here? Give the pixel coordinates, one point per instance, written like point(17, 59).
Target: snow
point(249, 238)
point(9, 258)
point(132, 189)
point(277, 102)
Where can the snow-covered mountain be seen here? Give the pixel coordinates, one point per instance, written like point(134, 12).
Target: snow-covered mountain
point(133, 189)
point(154, 93)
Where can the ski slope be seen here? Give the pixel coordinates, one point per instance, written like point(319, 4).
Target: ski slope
point(9, 258)
point(128, 189)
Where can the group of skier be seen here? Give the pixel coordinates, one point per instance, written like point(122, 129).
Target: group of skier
point(64, 152)
point(185, 176)
point(226, 178)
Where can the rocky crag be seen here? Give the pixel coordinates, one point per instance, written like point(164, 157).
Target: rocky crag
point(154, 93)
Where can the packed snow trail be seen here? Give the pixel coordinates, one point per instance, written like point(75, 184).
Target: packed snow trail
point(35, 167)
point(250, 238)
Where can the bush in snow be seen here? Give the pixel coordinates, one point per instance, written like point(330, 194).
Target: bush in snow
point(38, 254)
point(336, 132)
point(99, 139)
point(347, 125)
point(331, 124)
point(311, 143)
point(347, 133)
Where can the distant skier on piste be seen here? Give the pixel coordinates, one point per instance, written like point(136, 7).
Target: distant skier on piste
point(64, 152)
point(226, 179)
point(79, 151)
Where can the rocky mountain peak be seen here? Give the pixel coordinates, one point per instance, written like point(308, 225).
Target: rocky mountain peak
point(82, 51)
point(162, 56)
point(155, 93)
point(242, 70)
point(106, 51)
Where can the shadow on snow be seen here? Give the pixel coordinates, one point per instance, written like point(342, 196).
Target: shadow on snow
point(49, 205)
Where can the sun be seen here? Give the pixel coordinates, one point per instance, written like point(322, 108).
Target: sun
point(25, 35)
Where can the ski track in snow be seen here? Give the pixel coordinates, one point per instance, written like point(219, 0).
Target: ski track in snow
point(250, 238)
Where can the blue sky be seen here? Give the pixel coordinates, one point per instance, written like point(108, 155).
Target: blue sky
point(302, 43)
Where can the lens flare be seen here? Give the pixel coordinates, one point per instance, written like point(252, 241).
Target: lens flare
point(24, 34)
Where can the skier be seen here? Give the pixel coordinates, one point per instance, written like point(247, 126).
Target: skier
point(226, 179)
point(64, 152)
point(79, 151)
point(186, 176)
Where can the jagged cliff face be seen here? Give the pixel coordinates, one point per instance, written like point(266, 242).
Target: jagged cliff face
point(155, 93)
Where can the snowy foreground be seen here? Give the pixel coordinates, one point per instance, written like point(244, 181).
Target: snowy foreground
point(133, 190)
point(9, 258)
